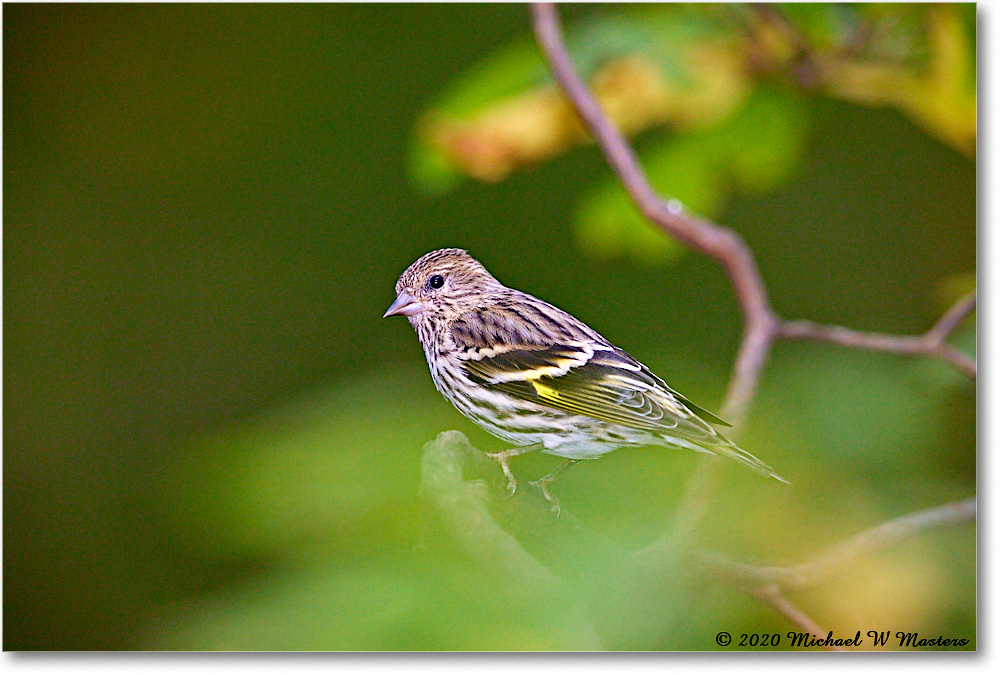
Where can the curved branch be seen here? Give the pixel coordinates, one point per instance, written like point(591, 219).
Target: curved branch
point(719, 243)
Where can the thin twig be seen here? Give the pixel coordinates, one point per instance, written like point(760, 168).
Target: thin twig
point(808, 574)
point(932, 343)
point(769, 584)
point(948, 322)
point(772, 595)
point(719, 243)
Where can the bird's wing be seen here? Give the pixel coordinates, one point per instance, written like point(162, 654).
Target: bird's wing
point(581, 377)
point(587, 376)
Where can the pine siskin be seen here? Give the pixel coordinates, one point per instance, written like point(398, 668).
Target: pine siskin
point(535, 376)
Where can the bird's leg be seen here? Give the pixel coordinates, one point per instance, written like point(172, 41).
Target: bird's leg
point(545, 481)
point(503, 459)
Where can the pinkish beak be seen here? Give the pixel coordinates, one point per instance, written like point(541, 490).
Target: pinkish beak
point(406, 305)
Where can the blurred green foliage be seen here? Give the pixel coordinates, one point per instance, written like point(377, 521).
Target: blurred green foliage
point(213, 441)
point(687, 72)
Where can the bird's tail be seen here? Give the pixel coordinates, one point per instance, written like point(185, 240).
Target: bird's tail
point(729, 449)
point(720, 445)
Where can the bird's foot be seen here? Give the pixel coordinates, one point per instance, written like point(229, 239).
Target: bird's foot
point(545, 481)
point(503, 459)
point(543, 484)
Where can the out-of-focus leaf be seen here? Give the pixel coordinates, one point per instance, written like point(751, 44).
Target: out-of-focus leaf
point(757, 147)
point(823, 25)
point(920, 59)
point(648, 67)
point(430, 169)
point(506, 74)
point(895, 32)
point(765, 142)
point(661, 32)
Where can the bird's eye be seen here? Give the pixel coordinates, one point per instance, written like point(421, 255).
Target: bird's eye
point(436, 281)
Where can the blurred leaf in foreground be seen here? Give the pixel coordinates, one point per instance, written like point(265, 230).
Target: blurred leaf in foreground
point(344, 546)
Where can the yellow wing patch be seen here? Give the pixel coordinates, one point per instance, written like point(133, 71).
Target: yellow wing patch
point(544, 391)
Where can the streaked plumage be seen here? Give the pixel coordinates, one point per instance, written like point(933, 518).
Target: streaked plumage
point(530, 373)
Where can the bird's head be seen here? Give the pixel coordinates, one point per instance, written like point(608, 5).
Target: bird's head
point(440, 286)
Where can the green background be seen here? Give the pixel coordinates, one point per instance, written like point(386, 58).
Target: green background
point(213, 440)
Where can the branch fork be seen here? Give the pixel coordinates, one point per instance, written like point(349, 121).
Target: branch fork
point(762, 328)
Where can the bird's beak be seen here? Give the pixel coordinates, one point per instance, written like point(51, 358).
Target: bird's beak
point(405, 304)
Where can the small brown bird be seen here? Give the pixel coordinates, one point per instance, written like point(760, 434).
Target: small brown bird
point(535, 376)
